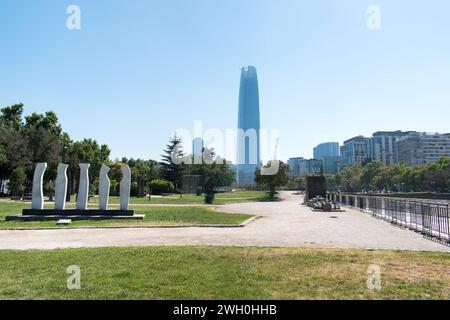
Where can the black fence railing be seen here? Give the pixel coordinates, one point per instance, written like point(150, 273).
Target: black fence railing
point(430, 218)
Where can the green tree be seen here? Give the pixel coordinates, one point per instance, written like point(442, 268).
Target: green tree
point(13, 150)
point(142, 173)
point(172, 165)
point(351, 179)
point(86, 151)
point(160, 186)
point(273, 181)
point(11, 116)
point(214, 171)
point(372, 170)
point(297, 183)
point(17, 181)
point(47, 121)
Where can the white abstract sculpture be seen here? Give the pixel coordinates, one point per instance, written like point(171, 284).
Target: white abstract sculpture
point(61, 187)
point(125, 185)
point(37, 196)
point(83, 187)
point(104, 186)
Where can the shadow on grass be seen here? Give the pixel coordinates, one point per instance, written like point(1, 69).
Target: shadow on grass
point(268, 198)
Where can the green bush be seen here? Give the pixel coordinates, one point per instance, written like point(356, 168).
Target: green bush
point(160, 186)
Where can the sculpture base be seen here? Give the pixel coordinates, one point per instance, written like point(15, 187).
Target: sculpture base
point(74, 215)
point(76, 212)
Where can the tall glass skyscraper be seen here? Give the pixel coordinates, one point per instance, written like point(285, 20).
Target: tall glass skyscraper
point(248, 137)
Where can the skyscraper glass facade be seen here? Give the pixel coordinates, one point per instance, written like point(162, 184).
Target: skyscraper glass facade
point(248, 136)
point(326, 149)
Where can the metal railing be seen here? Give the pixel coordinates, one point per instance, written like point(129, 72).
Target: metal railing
point(430, 218)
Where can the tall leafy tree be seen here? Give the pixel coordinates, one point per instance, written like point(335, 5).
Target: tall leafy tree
point(214, 172)
point(11, 116)
point(375, 176)
point(47, 121)
point(17, 181)
point(86, 151)
point(273, 181)
point(13, 142)
point(142, 173)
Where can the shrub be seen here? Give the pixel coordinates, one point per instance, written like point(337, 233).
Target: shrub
point(160, 186)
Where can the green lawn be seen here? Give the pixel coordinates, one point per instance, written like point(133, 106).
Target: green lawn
point(223, 273)
point(154, 216)
point(221, 198)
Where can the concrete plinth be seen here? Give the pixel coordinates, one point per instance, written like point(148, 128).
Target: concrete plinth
point(77, 212)
point(21, 217)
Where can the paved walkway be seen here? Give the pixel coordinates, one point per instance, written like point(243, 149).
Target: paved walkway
point(284, 223)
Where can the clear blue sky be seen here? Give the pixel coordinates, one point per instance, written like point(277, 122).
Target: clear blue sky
point(137, 70)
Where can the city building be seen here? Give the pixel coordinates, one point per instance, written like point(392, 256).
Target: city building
point(294, 165)
point(248, 135)
point(415, 148)
point(310, 166)
point(356, 150)
point(327, 149)
point(328, 153)
point(331, 164)
point(197, 150)
point(383, 145)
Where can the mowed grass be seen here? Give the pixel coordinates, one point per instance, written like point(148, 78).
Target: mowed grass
point(154, 216)
point(220, 198)
point(223, 273)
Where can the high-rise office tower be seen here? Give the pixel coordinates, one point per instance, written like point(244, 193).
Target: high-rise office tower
point(197, 150)
point(328, 153)
point(248, 136)
point(383, 145)
point(418, 148)
point(356, 150)
point(326, 149)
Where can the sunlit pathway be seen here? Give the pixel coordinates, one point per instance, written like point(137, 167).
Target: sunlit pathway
point(284, 223)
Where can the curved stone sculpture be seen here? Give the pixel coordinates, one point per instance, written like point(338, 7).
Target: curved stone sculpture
point(83, 187)
point(37, 196)
point(61, 187)
point(125, 185)
point(103, 188)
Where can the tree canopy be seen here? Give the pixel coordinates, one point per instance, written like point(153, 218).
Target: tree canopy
point(273, 181)
point(375, 176)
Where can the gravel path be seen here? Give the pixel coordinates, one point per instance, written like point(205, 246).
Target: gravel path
point(284, 223)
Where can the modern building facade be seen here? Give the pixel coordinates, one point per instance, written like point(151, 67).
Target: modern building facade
point(326, 149)
point(310, 167)
point(391, 147)
point(248, 156)
point(416, 148)
point(197, 150)
point(331, 164)
point(294, 165)
point(356, 150)
point(328, 153)
point(383, 146)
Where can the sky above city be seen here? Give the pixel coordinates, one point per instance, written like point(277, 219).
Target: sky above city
point(139, 69)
